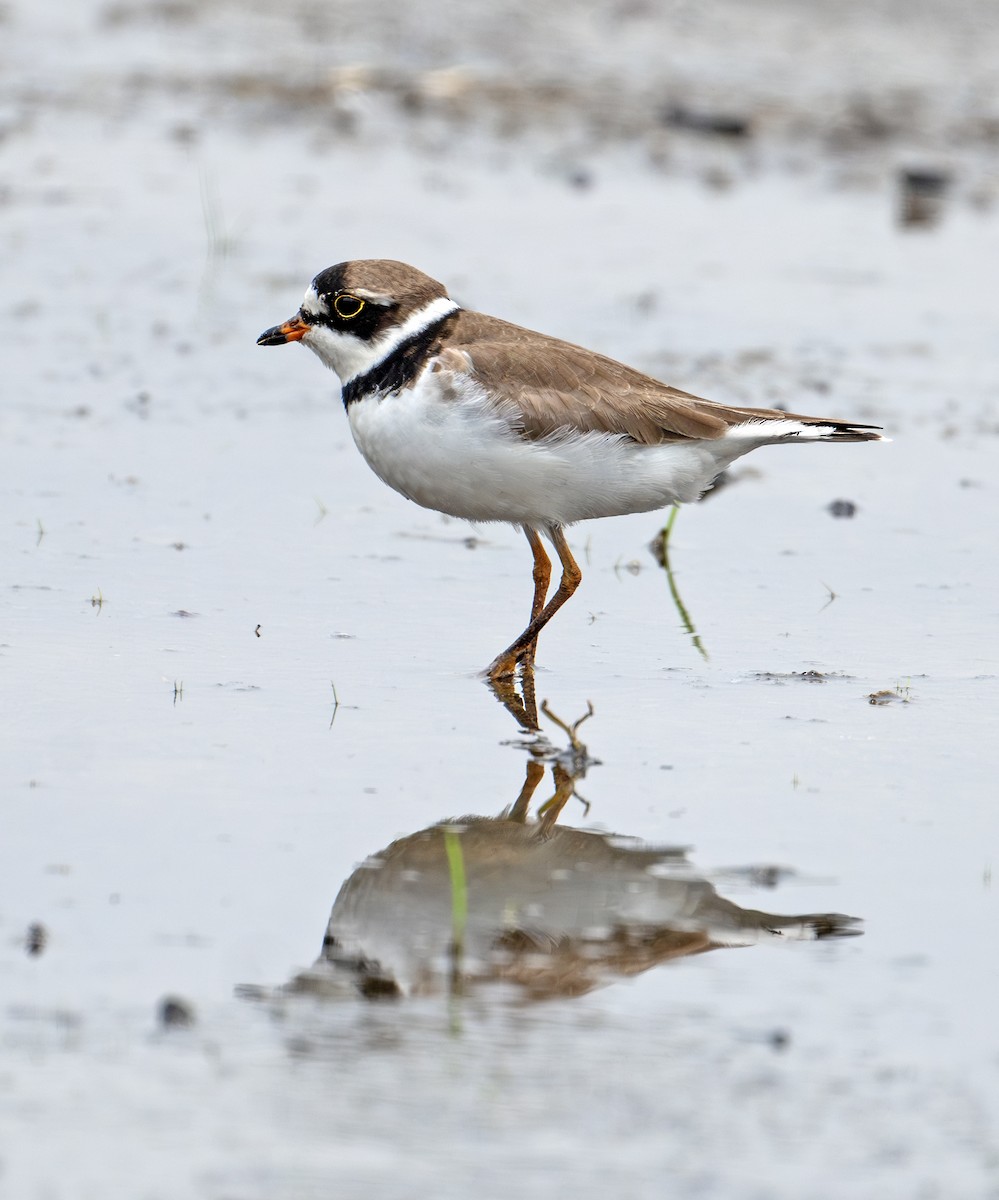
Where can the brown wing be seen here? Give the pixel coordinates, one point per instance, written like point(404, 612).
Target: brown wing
point(556, 385)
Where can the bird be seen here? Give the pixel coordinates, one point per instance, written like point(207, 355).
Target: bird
point(478, 418)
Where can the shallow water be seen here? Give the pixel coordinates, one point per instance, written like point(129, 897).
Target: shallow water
point(236, 666)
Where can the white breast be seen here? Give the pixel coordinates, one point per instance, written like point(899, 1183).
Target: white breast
point(444, 444)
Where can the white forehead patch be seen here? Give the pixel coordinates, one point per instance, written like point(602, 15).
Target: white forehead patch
point(312, 304)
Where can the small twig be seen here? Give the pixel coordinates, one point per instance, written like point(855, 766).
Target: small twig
point(661, 553)
point(674, 591)
point(668, 527)
point(338, 704)
point(569, 730)
point(583, 801)
point(568, 765)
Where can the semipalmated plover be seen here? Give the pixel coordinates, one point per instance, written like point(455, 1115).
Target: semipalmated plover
point(477, 418)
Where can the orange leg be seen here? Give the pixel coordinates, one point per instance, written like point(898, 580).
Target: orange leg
point(522, 650)
point(542, 578)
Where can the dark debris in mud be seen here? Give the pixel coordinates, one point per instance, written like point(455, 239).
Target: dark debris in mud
point(886, 696)
point(842, 508)
point(175, 1013)
point(782, 677)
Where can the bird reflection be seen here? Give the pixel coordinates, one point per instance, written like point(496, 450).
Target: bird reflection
point(521, 900)
point(518, 695)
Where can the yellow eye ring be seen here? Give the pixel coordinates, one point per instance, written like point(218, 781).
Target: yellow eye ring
point(347, 306)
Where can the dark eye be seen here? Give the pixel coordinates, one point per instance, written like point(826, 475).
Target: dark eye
point(347, 306)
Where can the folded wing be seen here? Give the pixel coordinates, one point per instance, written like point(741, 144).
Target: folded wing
point(554, 386)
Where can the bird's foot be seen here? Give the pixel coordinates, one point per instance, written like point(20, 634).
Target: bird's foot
point(504, 666)
point(501, 669)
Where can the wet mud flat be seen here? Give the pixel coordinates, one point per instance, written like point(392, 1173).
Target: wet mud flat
point(289, 903)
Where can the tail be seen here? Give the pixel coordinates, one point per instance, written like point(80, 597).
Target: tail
point(788, 427)
point(815, 429)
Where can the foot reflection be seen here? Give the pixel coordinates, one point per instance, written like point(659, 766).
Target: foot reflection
point(519, 899)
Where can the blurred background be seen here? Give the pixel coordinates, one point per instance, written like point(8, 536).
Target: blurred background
point(235, 665)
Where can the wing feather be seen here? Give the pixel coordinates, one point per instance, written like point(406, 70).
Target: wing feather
point(558, 386)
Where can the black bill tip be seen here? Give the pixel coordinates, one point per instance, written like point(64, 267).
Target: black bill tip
point(291, 331)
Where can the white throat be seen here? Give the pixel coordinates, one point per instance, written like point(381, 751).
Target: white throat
point(350, 356)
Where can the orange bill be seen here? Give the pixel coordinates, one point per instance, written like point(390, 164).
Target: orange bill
point(291, 331)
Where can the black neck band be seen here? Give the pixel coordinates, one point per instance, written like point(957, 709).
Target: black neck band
point(398, 369)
